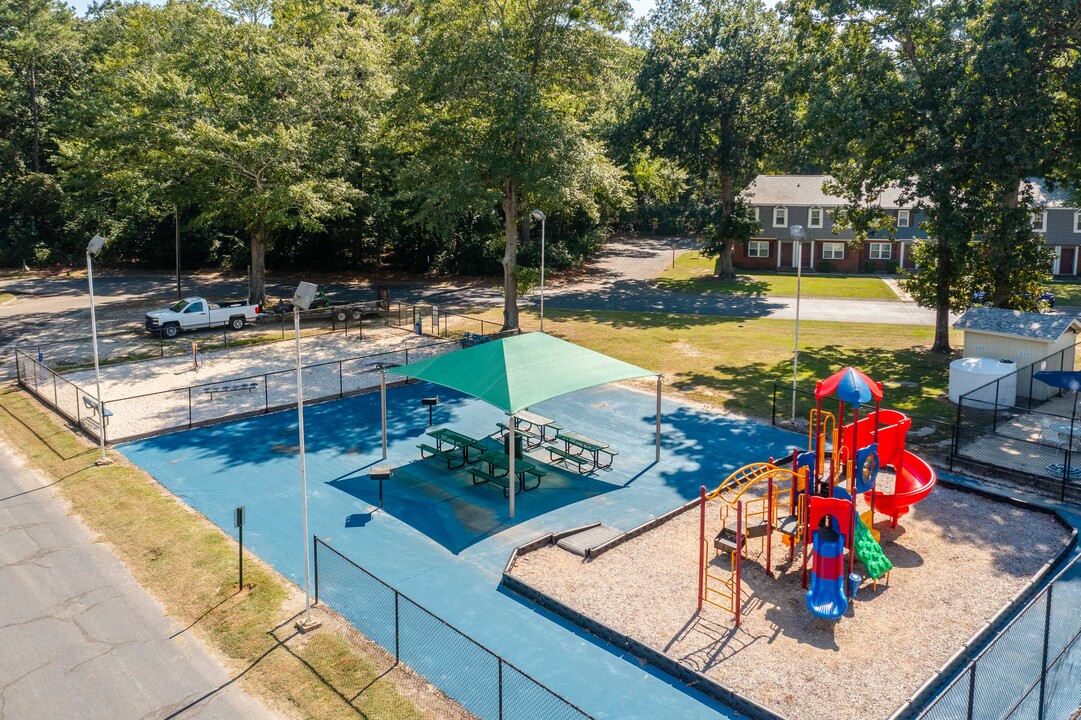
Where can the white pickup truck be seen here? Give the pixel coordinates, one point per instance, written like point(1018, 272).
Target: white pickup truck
point(196, 313)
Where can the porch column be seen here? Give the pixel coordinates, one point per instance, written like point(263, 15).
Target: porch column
point(812, 265)
point(1058, 259)
point(901, 264)
point(779, 254)
point(1076, 251)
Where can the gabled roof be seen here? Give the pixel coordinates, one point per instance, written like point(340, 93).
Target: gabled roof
point(1014, 323)
point(1052, 199)
point(522, 370)
point(806, 190)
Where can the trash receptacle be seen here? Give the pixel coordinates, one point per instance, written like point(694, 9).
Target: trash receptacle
point(517, 445)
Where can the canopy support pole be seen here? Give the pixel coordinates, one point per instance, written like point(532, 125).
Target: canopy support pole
point(658, 455)
point(512, 477)
point(383, 407)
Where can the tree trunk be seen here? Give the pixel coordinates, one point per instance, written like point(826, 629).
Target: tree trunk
point(942, 298)
point(257, 293)
point(510, 256)
point(723, 268)
point(35, 115)
point(1002, 237)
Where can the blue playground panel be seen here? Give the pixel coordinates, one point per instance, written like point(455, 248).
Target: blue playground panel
point(443, 541)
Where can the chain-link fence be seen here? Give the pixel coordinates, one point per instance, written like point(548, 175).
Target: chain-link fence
point(1031, 670)
point(131, 345)
point(196, 405)
point(928, 436)
point(481, 681)
point(1018, 425)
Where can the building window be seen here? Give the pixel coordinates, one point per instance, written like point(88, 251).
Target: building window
point(833, 251)
point(881, 251)
point(814, 217)
point(758, 249)
point(780, 217)
point(1039, 221)
point(903, 218)
point(1077, 222)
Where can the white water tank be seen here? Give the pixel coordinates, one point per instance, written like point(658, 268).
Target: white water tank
point(968, 374)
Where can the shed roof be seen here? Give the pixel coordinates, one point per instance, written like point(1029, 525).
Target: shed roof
point(1014, 323)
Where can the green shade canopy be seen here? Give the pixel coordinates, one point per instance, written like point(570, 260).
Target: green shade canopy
point(520, 371)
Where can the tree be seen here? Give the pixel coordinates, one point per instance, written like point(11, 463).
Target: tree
point(39, 67)
point(713, 99)
point(500, 113)
point(248, 117)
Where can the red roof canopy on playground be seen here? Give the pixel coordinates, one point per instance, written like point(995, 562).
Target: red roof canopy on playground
point(850, 385)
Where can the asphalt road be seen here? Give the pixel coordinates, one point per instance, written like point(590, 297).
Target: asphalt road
point(79, 637)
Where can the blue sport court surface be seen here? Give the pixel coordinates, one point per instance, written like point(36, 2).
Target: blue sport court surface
point(442, 540)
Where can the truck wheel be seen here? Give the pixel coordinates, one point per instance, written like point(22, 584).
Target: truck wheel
point(236, 323)
point(358, 315)
point(170, 331)
point(340, 315)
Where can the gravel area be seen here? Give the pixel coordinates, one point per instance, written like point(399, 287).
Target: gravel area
point(958, 558)
point(171, 405)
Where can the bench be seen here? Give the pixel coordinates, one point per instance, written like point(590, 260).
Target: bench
point(533, 439)
point(470, 339)
point(481, 476)
point(557, 455)
point(91, 404)
point(449, 455)
point(231, 388)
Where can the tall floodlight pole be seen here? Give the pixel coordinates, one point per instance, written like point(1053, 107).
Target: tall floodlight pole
point(176, 224)
point(798, 235)
point(538, 215)
point(302, 300)
point(92, 249)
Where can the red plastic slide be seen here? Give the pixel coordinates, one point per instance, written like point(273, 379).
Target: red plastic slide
point(915, 478)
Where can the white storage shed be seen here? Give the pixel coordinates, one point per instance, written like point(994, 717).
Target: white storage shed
point(1044, 339)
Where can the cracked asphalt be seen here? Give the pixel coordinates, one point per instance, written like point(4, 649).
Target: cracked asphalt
point(80, 639)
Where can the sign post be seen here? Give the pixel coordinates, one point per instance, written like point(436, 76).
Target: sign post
point(240, 529)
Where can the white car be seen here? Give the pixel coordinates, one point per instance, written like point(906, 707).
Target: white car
point(196, 313)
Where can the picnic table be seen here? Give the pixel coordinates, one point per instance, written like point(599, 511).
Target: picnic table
point(532, 427)
point(457, 443)
point(576, 445)
point(523, 470)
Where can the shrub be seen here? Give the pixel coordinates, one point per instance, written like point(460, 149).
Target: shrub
point(870, 266)
point(825, 266)
point(891, 267)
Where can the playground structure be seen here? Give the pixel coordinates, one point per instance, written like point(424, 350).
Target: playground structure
point(814, 504)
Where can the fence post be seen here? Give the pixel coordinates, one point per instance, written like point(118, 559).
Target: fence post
point(994, 411)
point(1046, 644)
point(773, 413)
point(56, 400)
point(397, 630)
point(500, 687)
point(956, 431)
point(315, 543)
point(266, 395)
point(189, 407)
point(341, 381)
point(78, 412)
point(971, 688)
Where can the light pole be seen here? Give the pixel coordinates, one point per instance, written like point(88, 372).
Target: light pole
point(92, 249)
point(798, 235)
point(538, 215)
point(302, 300)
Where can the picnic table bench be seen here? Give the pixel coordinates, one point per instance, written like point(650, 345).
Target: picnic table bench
point(239, 387)
point(578, 445)
point(91, 404)
point(470, 339)
point(454, 459)
point(523, 469)
point(455, 440)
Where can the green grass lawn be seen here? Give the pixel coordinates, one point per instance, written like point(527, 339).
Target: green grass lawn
point(1066, 293)
point(733, 362)
point(693, 274)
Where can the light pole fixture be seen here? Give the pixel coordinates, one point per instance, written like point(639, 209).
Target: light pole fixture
point(92, 249)
point(798, 235)
point(302, 300)
point(538, 215)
